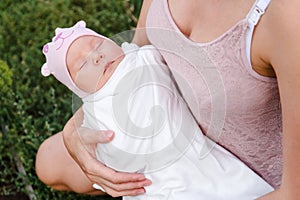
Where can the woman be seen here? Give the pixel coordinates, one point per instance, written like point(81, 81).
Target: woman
point(254, 57)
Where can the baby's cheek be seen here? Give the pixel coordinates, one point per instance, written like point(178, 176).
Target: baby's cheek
point(87, 80)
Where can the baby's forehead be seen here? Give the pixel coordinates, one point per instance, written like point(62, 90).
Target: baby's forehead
point(85, 43)
point(88, 40)
point(80, 48)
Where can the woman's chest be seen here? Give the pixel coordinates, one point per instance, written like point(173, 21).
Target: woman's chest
point(204, 21)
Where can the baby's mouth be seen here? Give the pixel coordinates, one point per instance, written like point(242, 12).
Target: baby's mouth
point(107, 66)
point(111, 63)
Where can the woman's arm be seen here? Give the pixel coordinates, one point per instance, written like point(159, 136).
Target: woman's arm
point(284, 55)
point(81, 144)
point(140, 37)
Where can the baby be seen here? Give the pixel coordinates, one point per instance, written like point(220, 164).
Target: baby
point(130, 90)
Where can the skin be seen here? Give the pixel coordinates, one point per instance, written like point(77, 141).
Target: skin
point(275, 51)
point(91, 61)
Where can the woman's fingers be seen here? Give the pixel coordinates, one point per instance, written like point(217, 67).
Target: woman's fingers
point(116, 183)
point(81, 143)
point(133, 192)
point(94, 168)
point(90, 136)
point(129, 185)
point(124, 189)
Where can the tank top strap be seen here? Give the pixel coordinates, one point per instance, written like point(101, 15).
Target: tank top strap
point(257, 10)
point(254, 15)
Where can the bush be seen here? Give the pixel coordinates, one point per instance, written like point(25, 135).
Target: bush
point(6, 159)
point(32, 107)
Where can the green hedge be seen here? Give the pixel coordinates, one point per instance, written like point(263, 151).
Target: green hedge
point(33, 107)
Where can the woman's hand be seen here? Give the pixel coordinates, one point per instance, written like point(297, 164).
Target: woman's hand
point(81, 144)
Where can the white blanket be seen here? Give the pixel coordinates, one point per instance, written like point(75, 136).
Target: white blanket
point(155, 134)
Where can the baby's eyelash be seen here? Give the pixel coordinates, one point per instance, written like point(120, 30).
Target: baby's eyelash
point(82, 65)
point(99, 45)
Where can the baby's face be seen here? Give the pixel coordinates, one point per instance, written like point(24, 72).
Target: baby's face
point(89, 59)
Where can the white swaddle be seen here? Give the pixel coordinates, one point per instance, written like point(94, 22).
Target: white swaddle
point(155, 134)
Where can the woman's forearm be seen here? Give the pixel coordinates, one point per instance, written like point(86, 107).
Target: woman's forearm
point(140, 37)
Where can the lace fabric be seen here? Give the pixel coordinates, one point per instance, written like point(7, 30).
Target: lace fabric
point(251, 124)
point(252, 128)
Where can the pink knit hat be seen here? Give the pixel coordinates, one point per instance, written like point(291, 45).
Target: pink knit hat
point(56, 52)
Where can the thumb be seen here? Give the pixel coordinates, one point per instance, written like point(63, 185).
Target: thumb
point(91, 136)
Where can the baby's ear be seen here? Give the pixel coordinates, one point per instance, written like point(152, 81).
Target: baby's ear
point(45, 70)
point(58, 30)
point(80, 24)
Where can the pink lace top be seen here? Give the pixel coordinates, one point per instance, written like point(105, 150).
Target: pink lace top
point(233, 105)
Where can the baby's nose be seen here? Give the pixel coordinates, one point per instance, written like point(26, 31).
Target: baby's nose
point(99, 58)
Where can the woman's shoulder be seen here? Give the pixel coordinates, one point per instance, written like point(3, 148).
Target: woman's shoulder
point(283, 16)
point(279, 31)
point(283, 13)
